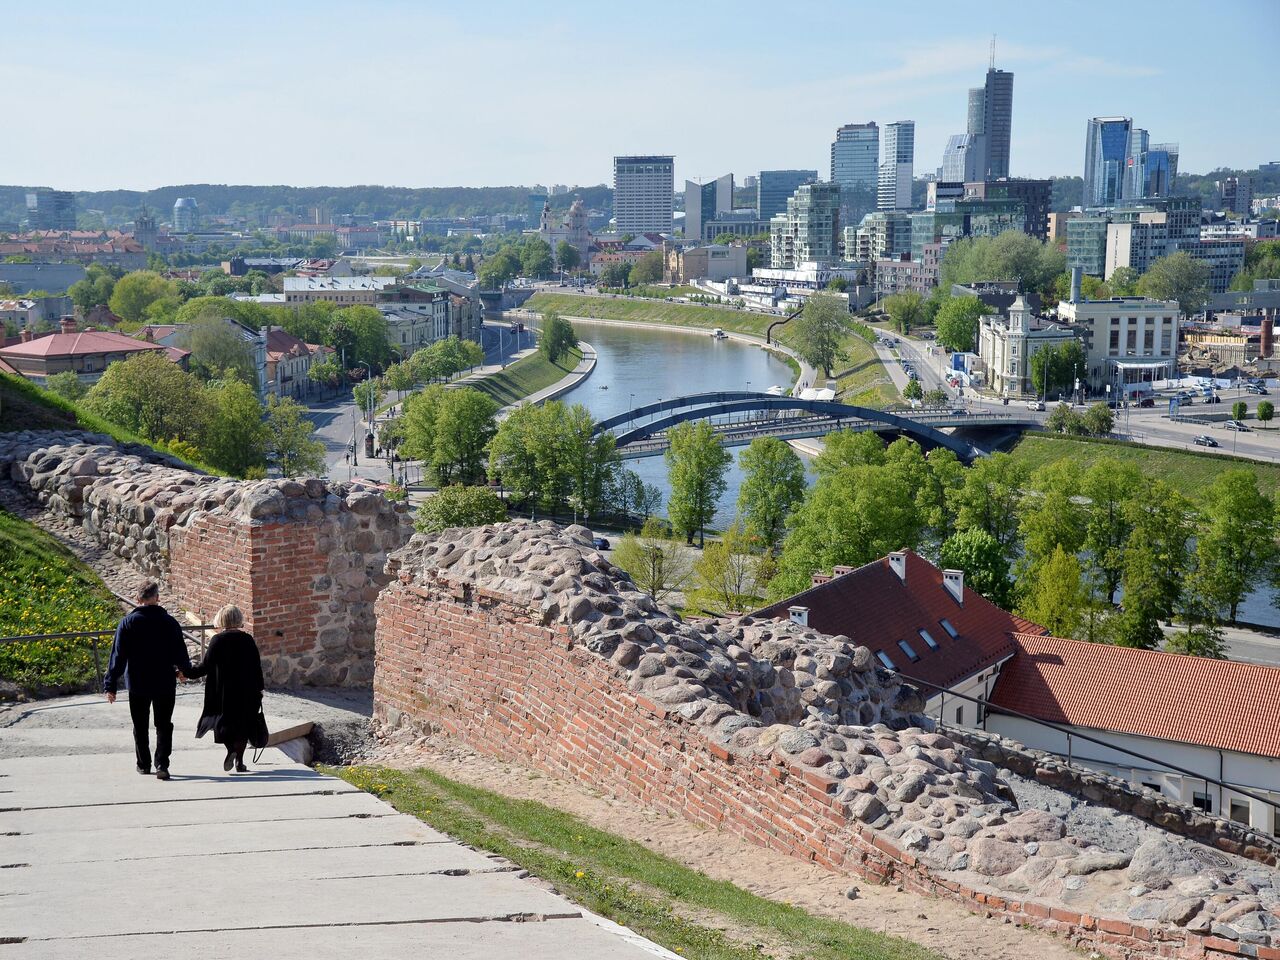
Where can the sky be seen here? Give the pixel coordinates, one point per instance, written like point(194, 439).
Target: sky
point(142, 95)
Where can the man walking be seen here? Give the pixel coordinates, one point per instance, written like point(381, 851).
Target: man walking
point(148, 652)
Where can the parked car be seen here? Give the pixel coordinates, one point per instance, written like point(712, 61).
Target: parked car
point(1037, 405)
point(1213, 399)
point(1147, 402)
point(1205, 441)
point(600, 543)
point(1236, 425)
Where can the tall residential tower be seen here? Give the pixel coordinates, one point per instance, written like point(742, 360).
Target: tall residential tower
point(643, 193)
point(894, 185)
point(855, 166)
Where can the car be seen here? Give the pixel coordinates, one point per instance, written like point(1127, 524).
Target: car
point(1260, 391)
point(1147, 402)
point(1205, 441)
point(1213, 399)
point(1236, 425)
point(600, 543)
point(1037, 405)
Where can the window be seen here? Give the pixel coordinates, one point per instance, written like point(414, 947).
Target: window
point(960, 715)
point(1239, 811)
point(1202, 801)
point(1115, 340)
point(951, 631)
point(924, 635)
point(1131, 339)
point(906, 648)
point(884, 659)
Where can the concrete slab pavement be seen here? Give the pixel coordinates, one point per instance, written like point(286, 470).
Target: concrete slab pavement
point(281, 861)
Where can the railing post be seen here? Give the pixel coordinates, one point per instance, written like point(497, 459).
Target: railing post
point(1069, 755)
point(97, 660)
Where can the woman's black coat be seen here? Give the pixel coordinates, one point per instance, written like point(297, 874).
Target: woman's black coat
point(233, 692)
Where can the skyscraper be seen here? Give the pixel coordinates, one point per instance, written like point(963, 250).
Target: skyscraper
point(704, 202)
point(997, 121)
point(52, 210)
point(855, 165)
point(775, 187)
point(643, 193)
point(893, 191)
point(809, 230)
point(962, 159)
point(1106, 160)
point(186, 215)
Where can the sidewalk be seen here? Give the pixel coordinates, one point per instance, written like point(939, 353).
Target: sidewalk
point(281, 862)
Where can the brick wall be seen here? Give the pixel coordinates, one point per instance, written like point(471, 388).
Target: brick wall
point(481, 665)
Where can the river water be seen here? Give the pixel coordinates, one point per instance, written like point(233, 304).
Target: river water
point(641, 365)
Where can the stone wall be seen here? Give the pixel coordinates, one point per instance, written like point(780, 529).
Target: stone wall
point(302, 558)
point(527, 644)
point(1119, 794)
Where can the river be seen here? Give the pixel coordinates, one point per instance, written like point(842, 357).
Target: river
point(641, 365)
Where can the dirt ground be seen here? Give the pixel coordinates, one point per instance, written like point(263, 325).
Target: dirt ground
point(944, 927)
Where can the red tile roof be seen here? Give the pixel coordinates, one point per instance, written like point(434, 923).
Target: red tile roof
point(1215, 703)
point(874, 608)
point(76, 344)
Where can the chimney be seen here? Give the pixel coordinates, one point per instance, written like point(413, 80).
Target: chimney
point(68, 324)
point(799, 615)
point(1077, 278)
point(25, 335)
point(898, 564)
point(840, 571)
point(818, 579)
point(1266, 341)
point(953, 580)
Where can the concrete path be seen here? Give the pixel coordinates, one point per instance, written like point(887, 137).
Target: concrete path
point(280, 862)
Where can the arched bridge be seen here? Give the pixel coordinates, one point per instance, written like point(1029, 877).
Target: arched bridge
point(740, 417)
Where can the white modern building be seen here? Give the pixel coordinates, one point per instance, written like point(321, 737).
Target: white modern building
point(1128, 341)
point(643, 194)
point(897, 166)
point(809, 230)
point(705, 202)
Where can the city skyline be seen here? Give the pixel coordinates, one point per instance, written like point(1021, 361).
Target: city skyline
point(135, 82)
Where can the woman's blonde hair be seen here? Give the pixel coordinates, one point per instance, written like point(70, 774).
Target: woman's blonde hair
point(229, 618)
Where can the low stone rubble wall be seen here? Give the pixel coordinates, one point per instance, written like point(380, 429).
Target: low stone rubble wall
point(302, 558)
point(523, 641)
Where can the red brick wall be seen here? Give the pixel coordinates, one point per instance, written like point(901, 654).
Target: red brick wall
point(481, 669)
point(209, 566)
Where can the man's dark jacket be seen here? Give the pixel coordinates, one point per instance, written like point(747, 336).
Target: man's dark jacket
point(148, 649)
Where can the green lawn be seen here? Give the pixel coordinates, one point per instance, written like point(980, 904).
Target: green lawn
point(527, 376)
point(862, 379)
point(621, 879)
point(1187, 470)
point(653, 291)
point(45, 589)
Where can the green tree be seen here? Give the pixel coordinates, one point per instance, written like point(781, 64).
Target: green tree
point(957, 322)
point(558, 336)
point(235, 438)
point(1156, 560)
point(1011, 255)
point(1051, 515)
point(135, 293)
point(1106, 487)
point(818, 333)
point(1265, 412)
point(980, 556)
point(658, 564)
point(567, 256)
point(67, 385)
point(913, 390)
point(1236, 541)
point(696, 466)
point(937, 397)
point(369, 333)
point(904, 309)
point(151, 396)
point(725, 575)
point(464, 425)
point(1056, 595)
point(1181, 277)
point(773, 484)
point(838, 285)
point(989, 499)
point(1123, 282)
point(459, 506)
point(535, 258)
point(498, 269)
point(1057, 367)
point(289, 444)
point(1062, 419)
point(648, 269)
point(1239, 410)
point(419, 417)
point(399, 377)
point(1099, 419)
point(219, 349)
point(368, 395)
point(848, 448)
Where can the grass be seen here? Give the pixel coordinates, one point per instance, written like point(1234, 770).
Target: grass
point(1188, 470)
point(45, 589)
point(26, 406)
point(655, 292)
point(527, 376)
point(621, 879)
point(864, 382)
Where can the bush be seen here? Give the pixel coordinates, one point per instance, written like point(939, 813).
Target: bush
point(459, 506)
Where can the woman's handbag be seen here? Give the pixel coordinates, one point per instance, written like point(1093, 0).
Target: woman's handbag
point(258, 735)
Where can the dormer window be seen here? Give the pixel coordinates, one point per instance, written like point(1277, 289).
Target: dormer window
point(884, 660)
point(906, 648)
point(928, 639)
point(951, 631)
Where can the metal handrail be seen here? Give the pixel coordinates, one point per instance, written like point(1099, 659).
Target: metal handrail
point(1070, 734)
point(93, 636)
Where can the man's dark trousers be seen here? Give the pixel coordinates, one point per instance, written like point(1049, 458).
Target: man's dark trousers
point(142, 704)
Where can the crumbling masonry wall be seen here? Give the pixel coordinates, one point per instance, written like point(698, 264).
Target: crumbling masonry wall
point(525, 643)
point(303, 559)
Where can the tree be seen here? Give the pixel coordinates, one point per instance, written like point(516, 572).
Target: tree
point(219, 349)
point(1011, 255)
point(848, 448)
point(773, 484)
point(1106, 487)
point(817, 334)
point(980, 556)
point(1155, 562)
point(1051, 515)
point(498, 269)
point(1057, 367)
point(567, 256)
point(696, 465)
point(399, 377)
point(459, 506)
point(904, 309)
point(913, 390)
point(235, 438)
point(369, 334)
point(1239, 410)
point(289, 443)
point(1181, 277)
point(535, 257)
point(937, 397)
point(658, 564)
point(1236, 540)
point(629, 495)
point(1123, 282)
point(614, 275)
point(152, 396)
point(1099, 419)
point(1265, 412)
point(957, 322)
point(1062, 419)
point(419, 418)
point(726, 574)
point(135, 293)
point(558, 336)
point(464, 425)
point(368, 395)
point(67, 385)
point(1056, 596)
point(989, 499)
point(648, 269)
point(837, 284)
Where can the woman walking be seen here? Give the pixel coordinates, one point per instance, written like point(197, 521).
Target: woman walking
point(233, 692)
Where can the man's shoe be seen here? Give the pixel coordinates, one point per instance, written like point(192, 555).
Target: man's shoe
point(145, 771)
point(228, 761)
point(162, 774)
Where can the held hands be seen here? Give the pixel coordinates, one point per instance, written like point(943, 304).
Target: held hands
point(111, 697)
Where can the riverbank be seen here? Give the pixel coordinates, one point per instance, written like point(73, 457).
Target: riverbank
point(585, 355)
